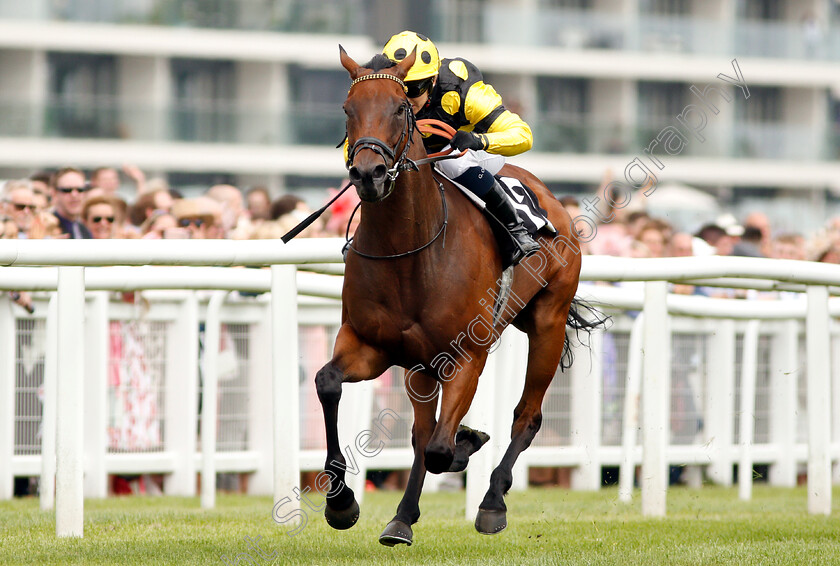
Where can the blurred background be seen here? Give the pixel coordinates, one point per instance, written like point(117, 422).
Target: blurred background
point(249, 92)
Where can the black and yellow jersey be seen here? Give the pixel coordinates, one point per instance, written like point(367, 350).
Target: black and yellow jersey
point(463, 100)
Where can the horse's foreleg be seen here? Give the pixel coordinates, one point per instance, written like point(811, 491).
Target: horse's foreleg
point(544, 353)
point(398, 531)
point(352, 361)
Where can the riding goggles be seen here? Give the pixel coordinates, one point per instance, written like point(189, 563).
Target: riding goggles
point(417, 88)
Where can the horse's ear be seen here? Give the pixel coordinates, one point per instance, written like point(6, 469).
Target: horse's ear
point(348, 63)
point(402, 68)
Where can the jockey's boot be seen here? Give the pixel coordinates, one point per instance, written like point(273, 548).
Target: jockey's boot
point(499, 206)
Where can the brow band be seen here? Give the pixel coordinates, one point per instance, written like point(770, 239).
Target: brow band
point(380, 76)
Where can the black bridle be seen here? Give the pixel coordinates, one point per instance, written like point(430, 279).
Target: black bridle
point(387, 153)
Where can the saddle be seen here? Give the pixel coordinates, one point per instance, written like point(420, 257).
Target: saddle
point(524, 201)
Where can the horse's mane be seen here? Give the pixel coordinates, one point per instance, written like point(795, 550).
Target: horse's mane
point(378, 63)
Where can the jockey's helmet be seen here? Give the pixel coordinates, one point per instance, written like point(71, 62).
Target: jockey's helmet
point(428, 61)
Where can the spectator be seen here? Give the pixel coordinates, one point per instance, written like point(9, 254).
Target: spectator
point(18, 203)
point(717, 238)
point(41, 189)
point(259, 204)
point(99, 214)
point(199, 216)
point(788, 246)
point(122, 229)
point(107, 179)
point(148, 202)
point(286, 204)
point(68, 196)
point(233, 223)
point(750, 243)
point(159, 225)
point(342, 213)
point(652, 237)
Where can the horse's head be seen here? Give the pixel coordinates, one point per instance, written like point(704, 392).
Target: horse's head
point(379, 123)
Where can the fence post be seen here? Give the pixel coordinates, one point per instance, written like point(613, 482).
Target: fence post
point(8, 342)
point(210, 398)
point(48, 419)
point(260, 439)
point(747, 417)
point(285, 388)
point(656, 390)
point(96, 396)
point(69, 494)
point(784, 361)
point(835, 400)
point(819, 401)
point(480, 417)
point(720, 395)
point(181, 390)
point(630, 418)
point(587, 405)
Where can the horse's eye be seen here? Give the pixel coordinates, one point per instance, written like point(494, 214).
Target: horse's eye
point(400, 110)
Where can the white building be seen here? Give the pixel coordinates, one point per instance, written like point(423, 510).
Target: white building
point(250, 91)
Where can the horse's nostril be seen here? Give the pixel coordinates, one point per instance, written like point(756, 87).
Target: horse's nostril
point(354, 174)
point(379, 172)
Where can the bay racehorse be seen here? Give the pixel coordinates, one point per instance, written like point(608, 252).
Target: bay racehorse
point(415, 295)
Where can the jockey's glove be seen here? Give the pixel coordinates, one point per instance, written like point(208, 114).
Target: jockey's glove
point(468, 140)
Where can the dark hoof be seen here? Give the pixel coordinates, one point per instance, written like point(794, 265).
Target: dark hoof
point(396, 533)
point(490, 522)
point(342, 520)
point(475, 437)
point(468, 441)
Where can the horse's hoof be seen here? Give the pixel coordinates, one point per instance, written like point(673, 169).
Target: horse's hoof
point(396, 533)
point(489, 522)
point(344, 519)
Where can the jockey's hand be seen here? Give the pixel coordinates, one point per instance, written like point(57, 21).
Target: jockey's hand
point(467, 140)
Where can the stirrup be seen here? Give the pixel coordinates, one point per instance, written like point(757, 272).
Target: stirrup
point(525, 244)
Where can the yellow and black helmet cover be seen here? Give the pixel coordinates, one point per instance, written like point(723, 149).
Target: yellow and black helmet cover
point(428, 61)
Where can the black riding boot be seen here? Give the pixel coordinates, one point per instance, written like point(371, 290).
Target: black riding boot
point(499, 206)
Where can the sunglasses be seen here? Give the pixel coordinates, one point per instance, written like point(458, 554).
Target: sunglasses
point(417, 88)
point(21, 207)
point(186, 222)
point(68, 190)
point(98, 219)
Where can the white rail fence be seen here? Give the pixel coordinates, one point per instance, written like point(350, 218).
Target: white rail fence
point(723, 382)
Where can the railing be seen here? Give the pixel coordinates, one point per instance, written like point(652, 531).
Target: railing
point(322, 16)
point(323, 124)
point(582, 414)
point(587, 29)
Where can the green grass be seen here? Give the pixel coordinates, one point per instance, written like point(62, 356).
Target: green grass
point(546, 526)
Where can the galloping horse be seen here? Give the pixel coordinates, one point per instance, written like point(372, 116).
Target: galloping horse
point(416, 278)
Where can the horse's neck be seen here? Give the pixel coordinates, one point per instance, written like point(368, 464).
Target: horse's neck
point(409, 218)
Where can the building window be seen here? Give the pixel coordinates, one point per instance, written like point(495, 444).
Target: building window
point(203, 100)
point(562, 106)
point(82, 95)
point(659, 105)
point(763, 106)
point(317, 97)
point(761, 9)
point(666, 7)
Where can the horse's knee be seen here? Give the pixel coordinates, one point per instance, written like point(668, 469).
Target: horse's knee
point(328, 384)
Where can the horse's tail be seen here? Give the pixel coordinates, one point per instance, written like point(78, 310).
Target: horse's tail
point(585, 318)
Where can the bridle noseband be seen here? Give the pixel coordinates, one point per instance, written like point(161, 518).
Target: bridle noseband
point(388, 154)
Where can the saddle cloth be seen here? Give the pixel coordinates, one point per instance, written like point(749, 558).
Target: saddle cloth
point(524, 201)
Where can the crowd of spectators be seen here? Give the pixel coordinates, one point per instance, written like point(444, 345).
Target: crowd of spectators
point(68, 203)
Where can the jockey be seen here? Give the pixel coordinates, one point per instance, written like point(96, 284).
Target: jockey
point(453, 91)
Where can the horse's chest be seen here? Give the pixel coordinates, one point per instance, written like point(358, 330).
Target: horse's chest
point(401, 334)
